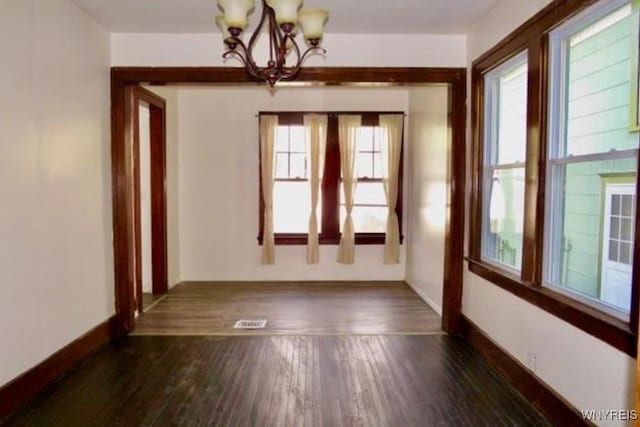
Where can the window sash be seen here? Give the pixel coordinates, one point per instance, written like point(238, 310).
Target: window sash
point(557, 157)
point(492, 105)
point(486, 218)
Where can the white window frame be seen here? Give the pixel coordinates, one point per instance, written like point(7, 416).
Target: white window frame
point(491, 117)
point(557, 113)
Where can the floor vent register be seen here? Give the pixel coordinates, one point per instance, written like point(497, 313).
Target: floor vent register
point(250, 324)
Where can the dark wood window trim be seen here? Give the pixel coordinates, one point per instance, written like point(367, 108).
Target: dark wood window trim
point(330, 215)
point(532, 36)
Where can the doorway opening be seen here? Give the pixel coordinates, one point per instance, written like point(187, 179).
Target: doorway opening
point(148, 128)
point(126, 80)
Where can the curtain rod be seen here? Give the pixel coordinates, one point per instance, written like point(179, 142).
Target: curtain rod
point(331, 113)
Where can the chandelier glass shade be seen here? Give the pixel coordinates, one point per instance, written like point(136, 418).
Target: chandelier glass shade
point(281, 19)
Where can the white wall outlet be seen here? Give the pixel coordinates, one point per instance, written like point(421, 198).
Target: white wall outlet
point(531, 361)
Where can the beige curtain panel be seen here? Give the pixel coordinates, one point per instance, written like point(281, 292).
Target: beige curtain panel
point(348, 126)
point(392, 124)
point(316, 138)
point(268, 128)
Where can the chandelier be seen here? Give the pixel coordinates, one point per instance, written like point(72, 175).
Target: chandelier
point(282, 18)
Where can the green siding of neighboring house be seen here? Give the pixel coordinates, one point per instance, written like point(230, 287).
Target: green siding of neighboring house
point(598, 121)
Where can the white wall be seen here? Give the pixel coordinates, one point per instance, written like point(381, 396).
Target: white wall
point(56, 259)
point(427, 193)
point(170, 94)
point(218, 179)
point(145, 195)
point(409, 50)
point(587, 372)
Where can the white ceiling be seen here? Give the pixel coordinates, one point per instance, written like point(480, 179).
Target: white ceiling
point(346, 16)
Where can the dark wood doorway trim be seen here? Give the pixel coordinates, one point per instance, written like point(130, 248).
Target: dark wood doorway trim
point(158, 194)
point(125, 81)
point(126, 200)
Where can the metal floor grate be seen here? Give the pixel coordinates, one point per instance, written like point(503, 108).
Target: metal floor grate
point(250, 324)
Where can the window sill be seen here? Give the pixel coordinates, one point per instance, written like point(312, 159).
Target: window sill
point(292, 239)
point(603, 326)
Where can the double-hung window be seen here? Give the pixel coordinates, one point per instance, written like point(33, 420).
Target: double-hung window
point(291, 189)
point(505, 149)
point(369, 206)
point(592, 159)
point(555, 130)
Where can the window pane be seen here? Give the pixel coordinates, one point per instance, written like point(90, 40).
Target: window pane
point(364, 165)
point(379, 165)
point(364, 139)
point(282, 165)
point(613, 250)
point(291, 207)
point(512, 116)
point(367, 193)
point(298, 166)
point(502, 242)
point(380, 139)
point(366, 219)
point(297, 139)
point(626, 203)
point(625, 253)
point(614, 229)
point(615, 204)
point(282, 138)
point(599, 83)
point(626, 231)
point(370, 193)
point(590, 249)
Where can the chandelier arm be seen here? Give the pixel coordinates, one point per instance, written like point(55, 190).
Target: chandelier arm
point(256, 33)
point(236, 43)
point(243, 55)
point(296, 48)
point(232, 53)
point(314, 50)
point(273, 38)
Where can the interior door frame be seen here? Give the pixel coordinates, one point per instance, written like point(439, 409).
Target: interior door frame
point(125, 80)
point(158, 194)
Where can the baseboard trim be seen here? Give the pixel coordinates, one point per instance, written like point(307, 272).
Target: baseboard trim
point(27, 385)
point(550, 403)
point(431, 303)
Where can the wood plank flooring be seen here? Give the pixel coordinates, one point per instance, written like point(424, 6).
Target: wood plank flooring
point(429, 380)
point(290, 308)
point(148, 299)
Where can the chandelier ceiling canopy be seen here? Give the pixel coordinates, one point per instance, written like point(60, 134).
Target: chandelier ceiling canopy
point(281, 19)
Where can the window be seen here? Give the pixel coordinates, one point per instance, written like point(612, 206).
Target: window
point(589, 141)
point(370, 205)
point(291, 196)
point(291, 189)
point(505, 149)
point(555, 158)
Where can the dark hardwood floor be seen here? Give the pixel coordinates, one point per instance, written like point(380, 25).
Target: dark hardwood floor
point(290, 308)
point(429, 380)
